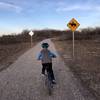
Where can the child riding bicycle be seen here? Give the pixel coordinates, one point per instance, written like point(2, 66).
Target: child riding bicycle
point(46, 56)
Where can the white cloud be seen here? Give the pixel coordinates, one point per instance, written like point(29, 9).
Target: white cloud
point(78, 7)
point(9, 6)
point(71, 8)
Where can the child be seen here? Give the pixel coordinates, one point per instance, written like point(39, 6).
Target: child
point(46, 56)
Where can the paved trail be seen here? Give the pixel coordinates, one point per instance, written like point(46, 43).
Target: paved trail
point(23, 81)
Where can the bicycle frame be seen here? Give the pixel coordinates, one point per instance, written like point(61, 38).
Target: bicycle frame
point(48, 82)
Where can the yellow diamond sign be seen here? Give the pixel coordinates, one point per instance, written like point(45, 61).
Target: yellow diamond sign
point(73, 24)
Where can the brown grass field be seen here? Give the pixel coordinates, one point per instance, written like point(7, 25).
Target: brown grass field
point(86, 65)
point(10, 52)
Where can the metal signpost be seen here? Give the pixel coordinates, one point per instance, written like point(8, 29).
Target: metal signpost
point(73, 25)
point(31, 34)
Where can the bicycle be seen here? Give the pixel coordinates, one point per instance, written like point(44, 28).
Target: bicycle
point(48, 82)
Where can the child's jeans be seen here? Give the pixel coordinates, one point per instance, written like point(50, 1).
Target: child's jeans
point(48, 66)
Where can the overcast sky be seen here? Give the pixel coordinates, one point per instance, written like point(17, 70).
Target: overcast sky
point(16, 15)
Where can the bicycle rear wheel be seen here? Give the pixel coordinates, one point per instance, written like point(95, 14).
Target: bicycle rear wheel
point(49, 84)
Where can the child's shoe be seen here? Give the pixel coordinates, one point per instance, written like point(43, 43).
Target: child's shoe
point(53, 82)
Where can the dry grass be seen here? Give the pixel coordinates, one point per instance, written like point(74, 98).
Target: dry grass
point(86, 65)
point(9, 53)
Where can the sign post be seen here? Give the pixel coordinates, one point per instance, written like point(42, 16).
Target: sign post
point(31, 34)
point(73, 25)
point(73, 44)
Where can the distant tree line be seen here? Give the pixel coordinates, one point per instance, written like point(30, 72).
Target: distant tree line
point(88, 33)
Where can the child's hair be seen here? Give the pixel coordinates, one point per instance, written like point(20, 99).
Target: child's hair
point(45, 45)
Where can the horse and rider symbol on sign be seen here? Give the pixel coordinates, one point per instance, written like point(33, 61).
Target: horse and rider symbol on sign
point(73, 24)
